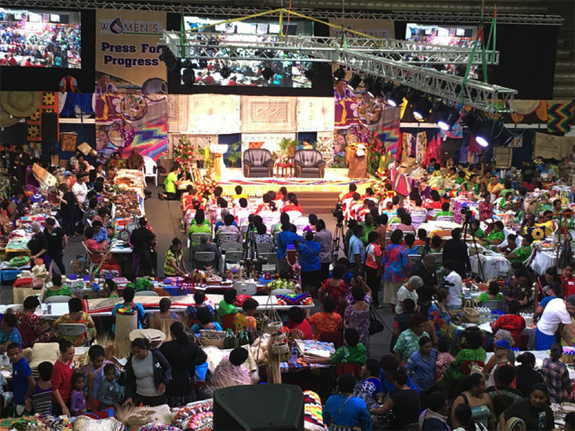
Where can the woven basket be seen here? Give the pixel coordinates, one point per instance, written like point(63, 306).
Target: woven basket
point(470, 315)
point(280, 348)
point(272, 327)
point(210, 337)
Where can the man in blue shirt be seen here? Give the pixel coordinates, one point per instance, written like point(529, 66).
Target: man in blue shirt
point(285, 238)
point(356, 252)
point(22, 378)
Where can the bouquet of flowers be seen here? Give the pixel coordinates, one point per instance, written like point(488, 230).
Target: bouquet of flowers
point(184, 154)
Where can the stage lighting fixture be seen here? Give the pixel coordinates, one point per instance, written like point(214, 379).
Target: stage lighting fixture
point(188, 77)
point(375, 89)
point(225, 72)
point(422, 109)
point(499, 134)
point(396, 96)
point(267, 73)
point(339, 74)
point(354, 81)
point(447, 116)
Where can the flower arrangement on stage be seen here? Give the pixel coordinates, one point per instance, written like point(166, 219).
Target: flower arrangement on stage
point(184, 154)
point(206, 185)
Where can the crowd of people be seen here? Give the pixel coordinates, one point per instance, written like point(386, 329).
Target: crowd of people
point(25, 43)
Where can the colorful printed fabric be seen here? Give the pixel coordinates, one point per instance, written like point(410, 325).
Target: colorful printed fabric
point(325, 322)
point(313, 412)
point(396, 263)
point(407, 343)
point(243, 322)
point(453, 373)
point(48, 103)
point(295, 299)
point(559, 117)
point(441, 319)
point(359, 320)
point(86, 320)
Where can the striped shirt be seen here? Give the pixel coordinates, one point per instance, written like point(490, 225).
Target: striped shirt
point(42, 400)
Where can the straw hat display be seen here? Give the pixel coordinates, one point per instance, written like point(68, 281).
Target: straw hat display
point(20, 103)
point(154, 336)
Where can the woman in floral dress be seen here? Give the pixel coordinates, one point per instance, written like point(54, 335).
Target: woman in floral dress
point(356, 315)
point(396, 265)
point(29, 324)
point(438, 314)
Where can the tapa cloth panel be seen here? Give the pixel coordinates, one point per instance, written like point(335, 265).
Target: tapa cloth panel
point(268, 114)
point(550, 146)
point(315, 114)
point(210, 114)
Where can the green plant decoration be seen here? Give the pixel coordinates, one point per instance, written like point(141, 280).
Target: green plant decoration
point(234, 154)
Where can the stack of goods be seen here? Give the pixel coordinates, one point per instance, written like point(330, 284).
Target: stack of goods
point(319, 349)
point(127, 204)
point(128, 179)
point(197, 416)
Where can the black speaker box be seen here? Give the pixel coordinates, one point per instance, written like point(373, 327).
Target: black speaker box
point(50, 131)
point(259, 407)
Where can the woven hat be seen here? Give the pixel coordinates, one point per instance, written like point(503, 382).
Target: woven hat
point(7, 120)
point(20, 103)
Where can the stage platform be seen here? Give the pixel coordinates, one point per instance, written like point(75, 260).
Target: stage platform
point(335, 181)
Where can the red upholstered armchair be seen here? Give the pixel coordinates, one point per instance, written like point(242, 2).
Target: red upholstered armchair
point(309, 164)
point(258, 163)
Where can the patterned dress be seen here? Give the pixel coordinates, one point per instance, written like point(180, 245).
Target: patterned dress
point(359, 320)
point(86, 320)
point(396, 268)
point(441, 319)
point(29, 320)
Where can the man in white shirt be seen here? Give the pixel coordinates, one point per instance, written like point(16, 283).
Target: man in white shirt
point(80, 189)
point(557, 312)
point(453, 284)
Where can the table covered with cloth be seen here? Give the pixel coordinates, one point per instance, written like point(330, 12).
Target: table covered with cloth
point(492, 264)
point(543, 260)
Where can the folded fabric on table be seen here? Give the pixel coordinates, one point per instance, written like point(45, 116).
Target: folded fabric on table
point(295, 299)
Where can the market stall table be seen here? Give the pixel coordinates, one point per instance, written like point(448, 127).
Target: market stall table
point(543, 260)
point(540, 355)
point(493, 265)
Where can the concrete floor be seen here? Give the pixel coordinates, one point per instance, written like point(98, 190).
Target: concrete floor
point(165, 219)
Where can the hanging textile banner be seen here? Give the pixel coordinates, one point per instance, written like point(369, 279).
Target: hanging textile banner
point(559, 117)
point(48, 103)
point(127, 47)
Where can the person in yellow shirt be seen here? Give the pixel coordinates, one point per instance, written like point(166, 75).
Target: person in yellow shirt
point(494, 187)
point(239, 194)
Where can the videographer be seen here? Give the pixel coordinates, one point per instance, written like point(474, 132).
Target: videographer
point(455, 251)
point(356, 251)
point(452, 283)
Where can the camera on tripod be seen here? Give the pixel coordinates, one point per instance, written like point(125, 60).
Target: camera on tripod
point(337, 212)
point(466, 213)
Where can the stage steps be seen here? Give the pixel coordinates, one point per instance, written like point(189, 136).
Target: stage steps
point(317, 202)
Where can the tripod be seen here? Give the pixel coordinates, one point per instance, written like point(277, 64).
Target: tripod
point(250, 248)
point(338, 236)
point(465, 230)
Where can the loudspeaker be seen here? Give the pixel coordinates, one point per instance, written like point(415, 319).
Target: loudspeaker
point(50, 132)
point(259, 407)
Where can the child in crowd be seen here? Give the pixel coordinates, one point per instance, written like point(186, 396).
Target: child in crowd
point(370, 385)
point(421, 237)
point(199, 302)
point(444, 211)
point(95, 376)
point(22, 379)
point(111, 393)
point(444, 358)
point(78, 399)
point(205, 320)
point(556, 375)
point(41, 402)
point(568, 281)
point(353, 352)
point(327, 320)
point(246, 321)
point(511, 244)
point(112, 288)
point(410, 244)
point(226, 305)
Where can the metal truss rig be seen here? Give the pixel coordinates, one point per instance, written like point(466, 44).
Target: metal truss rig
point(427, 16)
point(301, 48)
point(362, 55)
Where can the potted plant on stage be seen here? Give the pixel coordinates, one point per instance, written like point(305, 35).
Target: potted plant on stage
point(234, 154)
point(289, 146)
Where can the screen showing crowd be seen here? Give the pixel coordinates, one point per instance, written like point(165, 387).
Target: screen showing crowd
point(245, 72)
point(40, 39)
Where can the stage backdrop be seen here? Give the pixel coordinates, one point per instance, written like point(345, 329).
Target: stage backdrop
point(127, 45)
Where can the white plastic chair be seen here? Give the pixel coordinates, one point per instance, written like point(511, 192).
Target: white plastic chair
point(244, 288)
point(58, 299)
point(146, 293)
point(231, 246)
point(91, 265)
point(74, 330)
point(265, 247)
point(150, 169)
